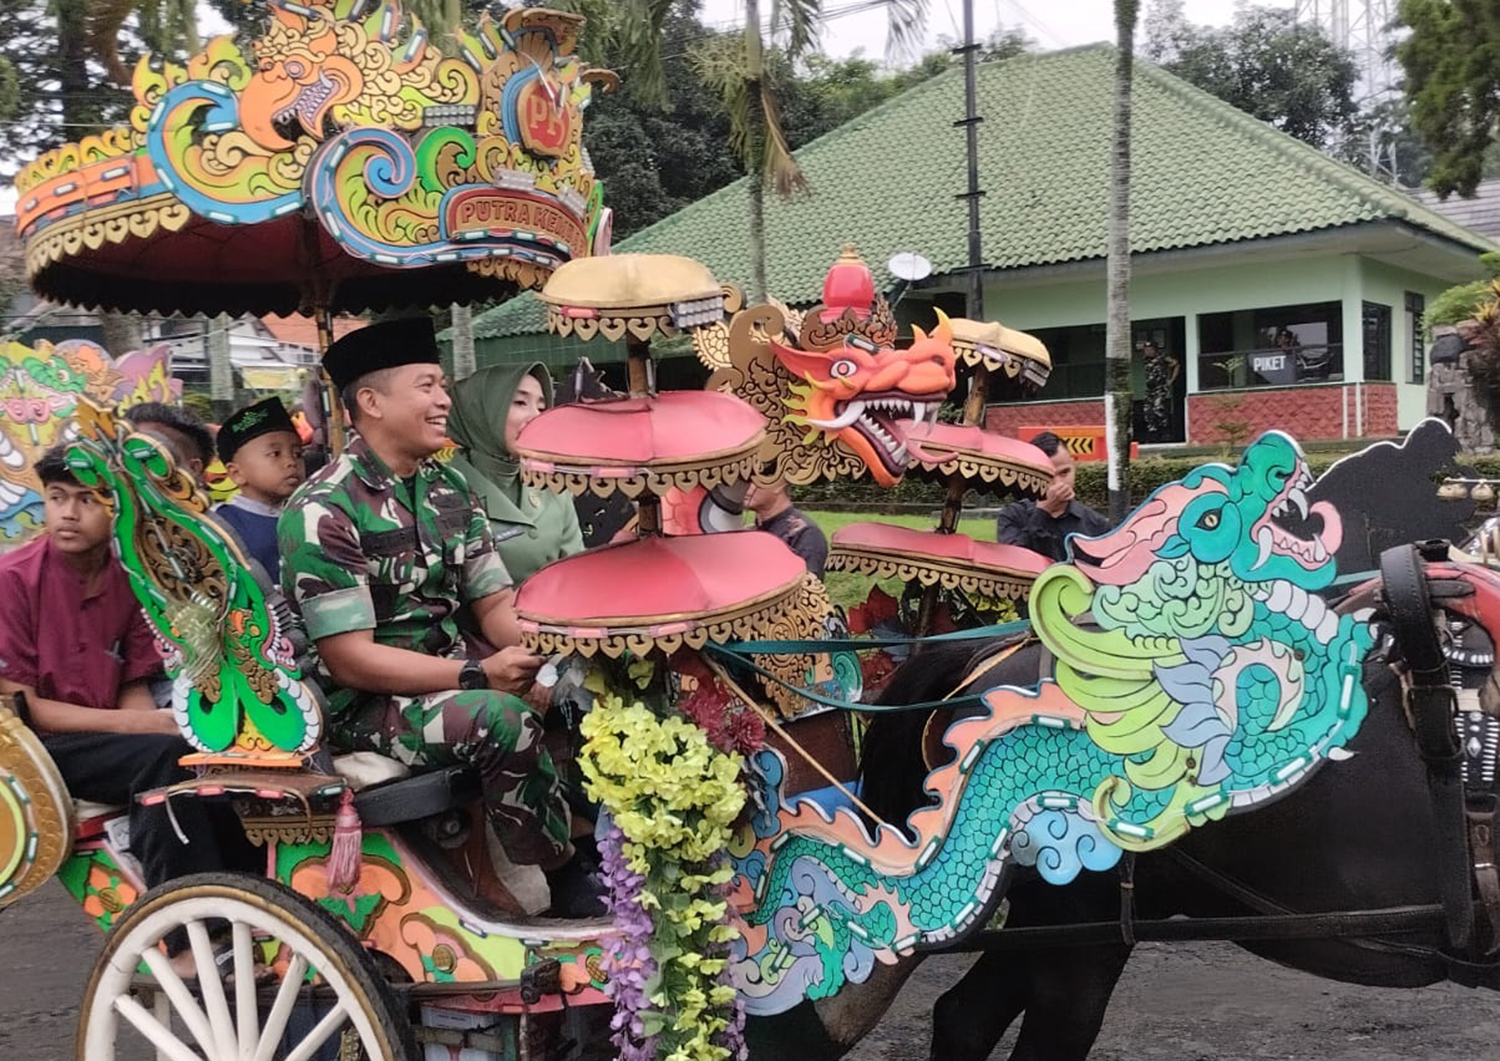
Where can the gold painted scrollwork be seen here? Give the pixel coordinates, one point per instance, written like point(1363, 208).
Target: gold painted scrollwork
point(802, 622)
point(715, 470)
point(795, 611)
point(993, 585)
point(36, 812)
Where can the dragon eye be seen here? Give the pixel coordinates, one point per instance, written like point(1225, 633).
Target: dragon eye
point(844, 369)
point(1209, 520)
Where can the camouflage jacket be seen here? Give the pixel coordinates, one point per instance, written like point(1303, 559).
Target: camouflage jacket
point(364, 550)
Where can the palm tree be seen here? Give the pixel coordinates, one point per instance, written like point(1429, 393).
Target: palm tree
point(164, 26)
point(736, 69)
point(1117, 330)
point(90, 30)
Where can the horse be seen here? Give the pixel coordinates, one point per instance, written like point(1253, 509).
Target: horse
point(1319, 849)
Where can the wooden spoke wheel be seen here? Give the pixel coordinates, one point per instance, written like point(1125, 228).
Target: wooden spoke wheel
point(319, 998)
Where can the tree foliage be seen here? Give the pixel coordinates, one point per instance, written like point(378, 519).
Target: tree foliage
point(1289, 75)
point(65, 66)
point(1452, 63)
point(657, 157)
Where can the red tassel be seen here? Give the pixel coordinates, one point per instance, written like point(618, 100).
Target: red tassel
point(347, 852)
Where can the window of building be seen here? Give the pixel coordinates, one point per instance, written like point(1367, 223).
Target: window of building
point(1274, 346)
point(1077, 360)
point(1416, 320)
point(1377, 329)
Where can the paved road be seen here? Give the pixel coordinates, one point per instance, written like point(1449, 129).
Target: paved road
point(1202, 1002)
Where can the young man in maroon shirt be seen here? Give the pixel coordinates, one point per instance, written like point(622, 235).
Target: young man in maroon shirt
point(74, 641)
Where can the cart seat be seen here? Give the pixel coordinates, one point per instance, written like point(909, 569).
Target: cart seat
point(362, 770)
point(411, 798)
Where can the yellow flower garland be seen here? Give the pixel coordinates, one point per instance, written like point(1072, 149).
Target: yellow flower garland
point(674, 796)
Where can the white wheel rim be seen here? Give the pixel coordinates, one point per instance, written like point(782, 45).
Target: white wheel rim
point(222, 1022)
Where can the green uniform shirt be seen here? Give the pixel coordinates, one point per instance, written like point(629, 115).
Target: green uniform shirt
point(530, 532)
point(364, 550)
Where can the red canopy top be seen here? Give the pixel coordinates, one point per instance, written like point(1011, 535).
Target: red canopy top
point(917, 544)
point(983, 457)
point(663, 591)
point(675, 439)
point(985, 569)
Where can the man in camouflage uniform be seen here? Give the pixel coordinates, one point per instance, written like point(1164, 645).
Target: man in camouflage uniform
point(380, 549)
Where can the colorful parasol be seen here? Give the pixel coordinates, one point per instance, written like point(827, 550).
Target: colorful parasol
point(657, 592)
point(660, 592)
point(634, 297)
point(337, 163)
point(980, 570)
point(1004, 354)
point(644, 444)
point(982, 458)
point(671, 441)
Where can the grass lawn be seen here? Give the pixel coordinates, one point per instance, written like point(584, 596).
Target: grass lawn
point(847, 589)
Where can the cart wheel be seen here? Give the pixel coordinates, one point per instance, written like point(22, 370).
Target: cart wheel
point(325, 1000)
point(36, 813)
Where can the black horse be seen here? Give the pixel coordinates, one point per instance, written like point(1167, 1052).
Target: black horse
point(1359, 835)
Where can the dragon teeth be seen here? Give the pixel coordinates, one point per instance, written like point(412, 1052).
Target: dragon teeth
point(1264, 540)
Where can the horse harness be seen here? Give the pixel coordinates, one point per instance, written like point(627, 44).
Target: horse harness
point(1457, 734)
point(1457, 731)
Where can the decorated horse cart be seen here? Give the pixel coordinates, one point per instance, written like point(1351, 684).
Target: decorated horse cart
point(1204, 660)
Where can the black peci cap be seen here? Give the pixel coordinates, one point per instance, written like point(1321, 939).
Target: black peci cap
point(388, 344)
point(262, 418)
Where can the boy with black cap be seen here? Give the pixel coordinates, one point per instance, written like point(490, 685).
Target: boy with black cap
point(263, 455)
point(380, 549)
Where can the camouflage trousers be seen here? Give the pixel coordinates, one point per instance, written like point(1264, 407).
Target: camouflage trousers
point(1158, 415)
point(497, 734)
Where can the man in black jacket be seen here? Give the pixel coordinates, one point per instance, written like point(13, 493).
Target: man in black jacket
point(1043, 526)
point(775, 514)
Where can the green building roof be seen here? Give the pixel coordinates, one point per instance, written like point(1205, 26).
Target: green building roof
point(1203, 173)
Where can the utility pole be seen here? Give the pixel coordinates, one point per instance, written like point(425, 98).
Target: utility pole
point(979, 382)
point(462, 320)
point(974, 303)
point(220, 364)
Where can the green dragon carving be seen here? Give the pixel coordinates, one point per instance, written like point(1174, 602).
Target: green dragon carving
point(1215, 678)
point(236, 687)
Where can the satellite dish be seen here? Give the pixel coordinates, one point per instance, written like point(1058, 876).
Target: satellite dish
point(909, 266)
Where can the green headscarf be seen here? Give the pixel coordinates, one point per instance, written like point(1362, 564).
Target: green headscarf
point(476, 422)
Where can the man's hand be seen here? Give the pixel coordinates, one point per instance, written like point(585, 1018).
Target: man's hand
point(512, 670)
point(155, 722)
point(1059, 496)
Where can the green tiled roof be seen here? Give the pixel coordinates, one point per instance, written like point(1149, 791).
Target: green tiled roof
point(523, 315)
point(1203, 172)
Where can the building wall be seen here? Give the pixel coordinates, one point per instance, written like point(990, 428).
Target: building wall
point(1388, 285)
point(1323, 411)
point(1350, 279)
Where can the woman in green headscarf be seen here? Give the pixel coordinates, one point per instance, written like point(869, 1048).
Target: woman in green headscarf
point(532, 527)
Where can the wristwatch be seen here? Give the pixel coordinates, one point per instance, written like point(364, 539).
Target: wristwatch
point(472, 676)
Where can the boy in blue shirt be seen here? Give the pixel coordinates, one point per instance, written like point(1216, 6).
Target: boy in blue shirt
point(262, 452)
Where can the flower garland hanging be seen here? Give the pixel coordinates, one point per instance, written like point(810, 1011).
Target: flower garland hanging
point(671, 796)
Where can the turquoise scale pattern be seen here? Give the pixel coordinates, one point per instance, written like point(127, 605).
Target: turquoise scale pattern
point(1258, 707)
